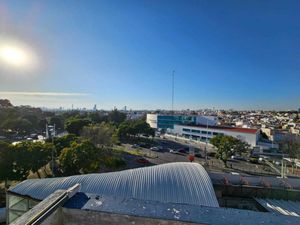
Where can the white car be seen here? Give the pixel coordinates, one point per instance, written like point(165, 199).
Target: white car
point(154, 149)
point(173, 151)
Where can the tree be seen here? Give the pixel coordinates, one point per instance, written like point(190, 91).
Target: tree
point(33, 119)
point(42, 124)
point(97, 117)
point(57, 121)
point(134, 128)
point(6, 162)
point(40, 155)
point(5, 103)
point(64, 142)
point(31, 156)
point(116, 117)
point(290, 145)
point(100, 134)
point(74, 125)
point(79, 158)
point(17, 124)
point(228, 146)
point(21, 161)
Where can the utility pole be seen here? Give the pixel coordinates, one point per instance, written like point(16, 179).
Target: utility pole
point(205, 150)
point(53, 148)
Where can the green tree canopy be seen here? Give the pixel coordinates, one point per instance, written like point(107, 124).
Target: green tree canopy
point(228, 146)
point(97, 117)
point(31, 156)
point(63, 142)
point(116, 117)
point(100, 134)
point(57, 121)
point(74, 125)
point(80, 157)
point(6, 162)
point(134, 128)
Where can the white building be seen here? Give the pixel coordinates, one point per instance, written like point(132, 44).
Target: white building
point(162, 121)
point(203, 133)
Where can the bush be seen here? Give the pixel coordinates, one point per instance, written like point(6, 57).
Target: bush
point(114, 162)
point(253, 160)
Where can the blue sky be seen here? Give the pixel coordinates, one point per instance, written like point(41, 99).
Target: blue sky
point(226, 54)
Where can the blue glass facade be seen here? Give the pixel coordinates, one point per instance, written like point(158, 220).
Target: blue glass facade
point(168, 121)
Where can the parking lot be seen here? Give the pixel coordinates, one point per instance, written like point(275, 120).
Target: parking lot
point(163, 155)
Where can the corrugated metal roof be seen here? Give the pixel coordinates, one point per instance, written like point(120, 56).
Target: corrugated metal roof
point(173, 182)
point(288, 208)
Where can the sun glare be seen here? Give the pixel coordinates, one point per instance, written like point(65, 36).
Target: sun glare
point(13, 56)
point(17, 56)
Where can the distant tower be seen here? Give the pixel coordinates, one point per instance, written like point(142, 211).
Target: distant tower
point(47, 132)
point(95, 107)
point(125, 108)
point(72, 107)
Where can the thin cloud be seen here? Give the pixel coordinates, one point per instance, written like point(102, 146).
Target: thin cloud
point(55, 94)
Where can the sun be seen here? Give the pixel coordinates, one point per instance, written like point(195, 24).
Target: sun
point(17, 56)
point(13, 56)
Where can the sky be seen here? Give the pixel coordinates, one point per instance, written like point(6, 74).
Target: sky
point(225, 54)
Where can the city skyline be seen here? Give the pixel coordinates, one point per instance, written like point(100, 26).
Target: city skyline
point(225, 55)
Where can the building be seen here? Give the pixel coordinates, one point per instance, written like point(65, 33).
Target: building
point(165, 185)
point(170, 194)
point(205, 133)
point(164, 122)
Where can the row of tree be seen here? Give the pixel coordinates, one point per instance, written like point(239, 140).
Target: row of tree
point(72, 155)
point(26, 119)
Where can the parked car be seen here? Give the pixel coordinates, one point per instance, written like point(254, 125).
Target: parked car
point(238, 158)
point(144, 145)
point(142, 161)
point(173, 151)
point(183, 150)
point(154, 149)
point(198, 154)
point(135, 146)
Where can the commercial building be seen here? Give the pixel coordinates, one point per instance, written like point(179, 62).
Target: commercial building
point(161, 121)
point(205, 133)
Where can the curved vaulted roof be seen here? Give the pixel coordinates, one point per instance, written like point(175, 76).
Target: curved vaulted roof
point(186, 183)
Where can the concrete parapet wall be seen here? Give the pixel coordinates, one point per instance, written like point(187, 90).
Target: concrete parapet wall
point(76, 216)
point(258, 192)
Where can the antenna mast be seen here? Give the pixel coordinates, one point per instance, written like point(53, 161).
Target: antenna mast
point(173, 74)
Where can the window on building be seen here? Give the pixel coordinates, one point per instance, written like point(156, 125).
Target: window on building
point(196, 131)
point(186, 130)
